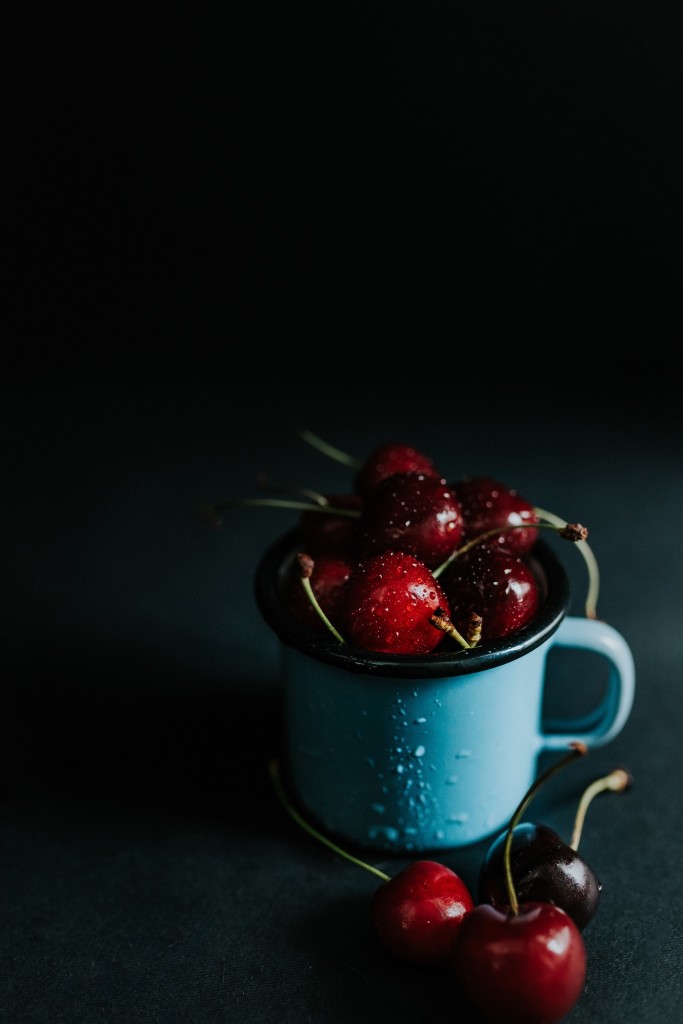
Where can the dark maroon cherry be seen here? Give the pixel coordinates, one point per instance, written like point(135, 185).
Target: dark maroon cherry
point(389, 458)
point(415, 513)
point(329, 577)
point(544, 868)
point(487, 504)
point(388, 602)
point(325, 531)
point(494, 584)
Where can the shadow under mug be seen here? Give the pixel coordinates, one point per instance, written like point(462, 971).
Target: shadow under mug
point(408, 754)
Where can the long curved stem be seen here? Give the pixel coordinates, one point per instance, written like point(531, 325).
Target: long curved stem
point(577, 750)
point(591, 606)
point(616, 782)
point(327, 449)
point(274, 769)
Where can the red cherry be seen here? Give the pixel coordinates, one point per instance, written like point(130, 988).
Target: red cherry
point(415, 513)
point(495, 584)
point(527, 967)
point(417, 913)
point(329, 576)
point(488, 504)
point(392, 457)
point(388, 602)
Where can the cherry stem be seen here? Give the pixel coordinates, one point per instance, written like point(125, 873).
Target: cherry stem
point(306, 565)
point(274, 768)
point(319, 499)
point(591, 564)
point(577, 749)
point(328, 449)
point(616, 782)
point(570, 531)
point(213, 511)
point(442, 622)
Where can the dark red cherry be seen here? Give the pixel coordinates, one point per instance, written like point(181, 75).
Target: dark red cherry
point(389, 458)
point(417, 913)
point(488, 504)
point(522, 967)
point(324, 531)
point(544, 868)
point(388, 602)
point(495, 584)
point(415, 513)
point(329, 578)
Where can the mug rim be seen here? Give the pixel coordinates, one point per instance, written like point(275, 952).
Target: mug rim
point(555, 596)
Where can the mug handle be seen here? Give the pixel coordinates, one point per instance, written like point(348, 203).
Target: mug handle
point(606, 721)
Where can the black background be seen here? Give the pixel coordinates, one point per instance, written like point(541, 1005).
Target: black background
point(456, 226)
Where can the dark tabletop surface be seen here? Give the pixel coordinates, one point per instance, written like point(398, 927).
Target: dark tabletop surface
point(456, 229)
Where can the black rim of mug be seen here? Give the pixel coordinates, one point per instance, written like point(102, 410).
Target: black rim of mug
point(268, 590)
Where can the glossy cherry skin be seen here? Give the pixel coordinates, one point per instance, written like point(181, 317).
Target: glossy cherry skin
point(389, 458)
point(544, 868)
point(495, 584)
point(325, 531)
point(418, 912)
point(525, 968)
point(415, 513)
point(329, 579)
point(387, 605)
point(488, 504)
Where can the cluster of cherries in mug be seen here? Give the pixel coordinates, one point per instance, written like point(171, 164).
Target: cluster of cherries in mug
point(407, 561)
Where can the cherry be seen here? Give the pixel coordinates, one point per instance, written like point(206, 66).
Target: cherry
point(412, 512)
point(328, 575)
point(323, 528)
point(417, 513)
point(390, 458)
point(543, 868)
point(546, 868)
point(521, 963)
point(521, 967)
point(388, 604)
point(496, 585)
point(488, 504)
point(417, 912)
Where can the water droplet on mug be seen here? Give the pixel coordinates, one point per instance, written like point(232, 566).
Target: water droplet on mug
point(378, 808)
point(384, 832)
point(419, 721)
point(400, 769)
point(420, 751)
point(458, 819)
point(464, 753)
point(452, 780)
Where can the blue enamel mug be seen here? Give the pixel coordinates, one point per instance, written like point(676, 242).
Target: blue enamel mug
point(407, 754)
